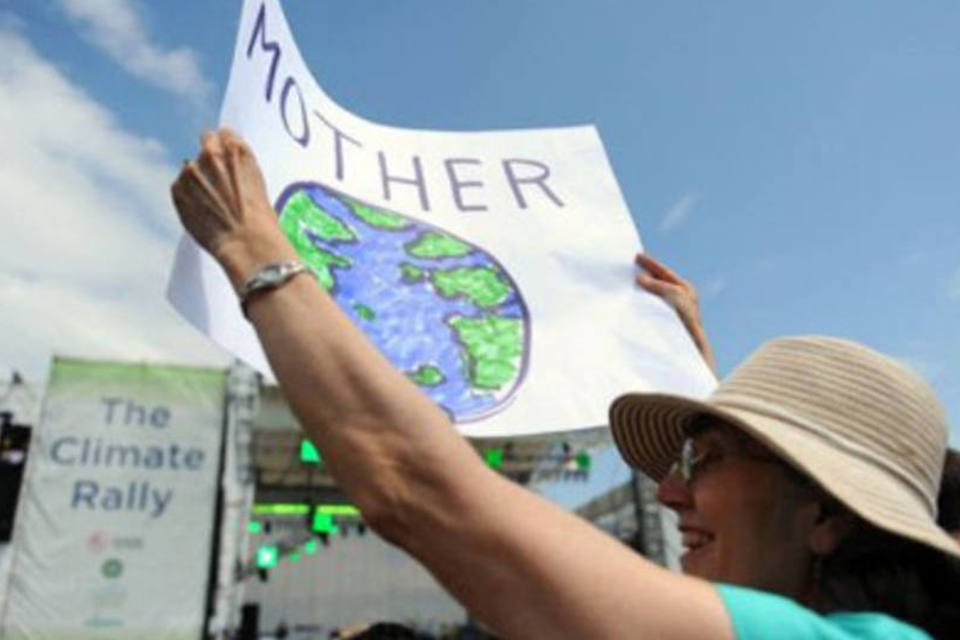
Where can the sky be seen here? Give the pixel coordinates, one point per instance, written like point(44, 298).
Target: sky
point(798, 162)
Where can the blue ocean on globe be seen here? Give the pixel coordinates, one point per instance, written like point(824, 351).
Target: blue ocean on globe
point(443, 310)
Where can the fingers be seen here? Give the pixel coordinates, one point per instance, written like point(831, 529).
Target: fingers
point(223, 174)
point(657, 269)
point(175, 194)
point(209, 182)
point(194, 196)
point(221, 139)
point(179, 185)
point(218, 146)
point(210, 142)
point(228, 136)
point(662, 281)
point(221, 192)
point(211, 158)
point(657, 287)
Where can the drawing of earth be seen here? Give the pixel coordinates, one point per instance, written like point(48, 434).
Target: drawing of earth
point(441, 309)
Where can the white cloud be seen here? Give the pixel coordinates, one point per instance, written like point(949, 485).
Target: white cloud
point(679, 212)
point(89, 231)
point(57, 317)
point(713, 287)
point(117, 28)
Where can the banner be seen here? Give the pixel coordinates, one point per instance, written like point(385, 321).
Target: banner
point(114, 531)
point(494, 268)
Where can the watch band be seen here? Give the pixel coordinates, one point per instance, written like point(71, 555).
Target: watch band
point(270, 276)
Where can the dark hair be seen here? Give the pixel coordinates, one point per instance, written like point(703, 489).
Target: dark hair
point(873, 570)
point(948, 500)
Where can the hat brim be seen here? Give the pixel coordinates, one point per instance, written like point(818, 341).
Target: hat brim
point(649, 429)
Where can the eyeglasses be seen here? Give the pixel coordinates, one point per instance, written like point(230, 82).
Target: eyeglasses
point(686, 465)
point(691, 461)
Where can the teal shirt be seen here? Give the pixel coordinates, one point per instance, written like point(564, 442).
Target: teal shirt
point(758, 615)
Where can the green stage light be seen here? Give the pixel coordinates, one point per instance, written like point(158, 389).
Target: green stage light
point(254, 526)
point(338, 509)
point(267, 556)
point(281, 509)
point(324, 523)
point(583, 461)
point(309, 453)
point(310, 546)
point(302, 509)
point(294, 557)
point(494, 457)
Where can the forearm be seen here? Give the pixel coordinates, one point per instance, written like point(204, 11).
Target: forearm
point(531, 570)
point(377, 431)
point(701, 341)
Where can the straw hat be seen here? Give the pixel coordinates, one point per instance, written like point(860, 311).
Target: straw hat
point(864, 427)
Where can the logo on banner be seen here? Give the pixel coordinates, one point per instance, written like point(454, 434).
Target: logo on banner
point(112, 568)
point(98, 541)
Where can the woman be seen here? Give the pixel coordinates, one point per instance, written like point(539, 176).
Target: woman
point(523, 566)
point(681, 295)
point(811, 473)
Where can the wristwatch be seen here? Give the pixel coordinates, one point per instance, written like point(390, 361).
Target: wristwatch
point(270, 276)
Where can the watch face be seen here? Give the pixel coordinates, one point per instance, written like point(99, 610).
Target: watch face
point(269, 276)
point(273, 275)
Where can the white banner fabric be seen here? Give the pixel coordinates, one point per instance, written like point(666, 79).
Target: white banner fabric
point(113, 535)
point(494, 268)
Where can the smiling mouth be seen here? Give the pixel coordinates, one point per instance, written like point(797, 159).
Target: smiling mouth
point(694, 540)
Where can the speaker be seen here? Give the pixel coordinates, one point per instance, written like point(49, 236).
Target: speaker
point(14, 446)
point(249, 622)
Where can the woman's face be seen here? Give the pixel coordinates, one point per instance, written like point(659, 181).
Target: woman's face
point(743, 515)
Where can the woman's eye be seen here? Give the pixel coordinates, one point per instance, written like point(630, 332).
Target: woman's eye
point(707, 459)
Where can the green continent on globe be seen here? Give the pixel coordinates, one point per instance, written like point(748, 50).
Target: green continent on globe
point(364, 311)
point(411, 273)
point(482, 285)
point(377, 217)
point(438, 245)
point(321, 262)
point(427, 375)
point(494, 346)
point(301, 213)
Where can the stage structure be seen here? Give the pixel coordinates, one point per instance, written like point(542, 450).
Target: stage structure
point(313, 565)
point(631, 513)
point(237, 493)
point(275, 543)
point(19, 407)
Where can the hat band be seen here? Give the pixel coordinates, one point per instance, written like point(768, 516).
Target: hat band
point(752, 405)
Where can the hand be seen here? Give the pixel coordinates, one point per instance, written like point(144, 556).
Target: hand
point(222, 202)
point(680, 294)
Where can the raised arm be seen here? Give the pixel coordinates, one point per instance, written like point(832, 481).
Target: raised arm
point(680, 294)
point(520, 564)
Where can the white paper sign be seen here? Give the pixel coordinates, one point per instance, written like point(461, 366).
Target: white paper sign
point(494, 268)
point(113, 537)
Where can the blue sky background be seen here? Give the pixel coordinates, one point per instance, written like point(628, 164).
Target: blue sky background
point(798, 162)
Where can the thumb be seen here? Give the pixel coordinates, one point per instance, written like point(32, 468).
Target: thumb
point(655, 286)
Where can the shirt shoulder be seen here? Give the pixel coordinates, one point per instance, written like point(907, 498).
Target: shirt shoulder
point(758, 615)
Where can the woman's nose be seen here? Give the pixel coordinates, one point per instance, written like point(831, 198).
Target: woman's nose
point(673, 492)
